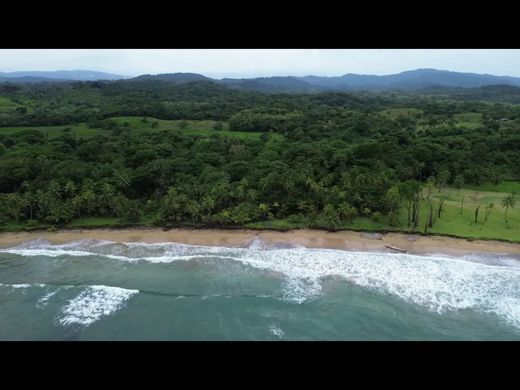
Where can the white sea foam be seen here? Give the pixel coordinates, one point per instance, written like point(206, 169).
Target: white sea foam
point(275, 329)
point(440, 283)
point(93, 303)
point(52, 252)
point(42, 302)
point(22, 285)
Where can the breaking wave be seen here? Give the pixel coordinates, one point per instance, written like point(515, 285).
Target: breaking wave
point(93, 303)
point(440, 283)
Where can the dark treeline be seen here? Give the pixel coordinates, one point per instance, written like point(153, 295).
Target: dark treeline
point(339, 155)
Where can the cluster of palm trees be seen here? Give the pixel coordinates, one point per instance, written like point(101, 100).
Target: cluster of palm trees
point(61, 203)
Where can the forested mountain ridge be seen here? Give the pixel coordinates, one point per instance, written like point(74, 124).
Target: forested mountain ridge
point(408, 81)
point(414, 79)
point(62, 75)
point(201, 154)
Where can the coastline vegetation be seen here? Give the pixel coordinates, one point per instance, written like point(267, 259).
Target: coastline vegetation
point(115, 154)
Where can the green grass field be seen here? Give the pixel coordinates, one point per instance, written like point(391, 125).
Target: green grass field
point(78, 129)
point(201, 128)
point(198, 128)
point(7, 105)
point(469, 120)
point(505, 186)
point(451, 222)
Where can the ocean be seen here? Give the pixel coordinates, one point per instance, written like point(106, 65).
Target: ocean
point(103, 290)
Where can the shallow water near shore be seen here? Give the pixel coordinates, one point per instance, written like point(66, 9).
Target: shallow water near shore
point(104, 290)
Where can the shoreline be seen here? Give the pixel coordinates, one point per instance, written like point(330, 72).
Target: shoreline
point(345, 240)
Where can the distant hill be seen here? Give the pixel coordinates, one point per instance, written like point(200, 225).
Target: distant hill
point(262, 84)
point(494, 93)
point(409, 80)
point(413, 79)
point(58, 75)
point(30, 79)
point(176, 78)
point(270, 84)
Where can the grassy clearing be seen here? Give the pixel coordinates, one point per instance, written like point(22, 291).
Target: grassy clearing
point(7, 105)
point(469, 120)
point(452, 222)
point(508, 186)
point(197, 128)
point(204, 128)
point(77, 129)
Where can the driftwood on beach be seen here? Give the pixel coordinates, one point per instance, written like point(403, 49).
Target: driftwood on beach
point(396, 249)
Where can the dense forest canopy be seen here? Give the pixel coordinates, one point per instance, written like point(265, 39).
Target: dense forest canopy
point(67, 153)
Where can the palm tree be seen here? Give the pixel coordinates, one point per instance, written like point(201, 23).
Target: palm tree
point(331, 215)
point(458, 182)
point(263, 211)
point(70, 189)
point(346, 210)
point(15, 205)
point(54, 189)
point(507, 202)
point(30, 200)
point(89, 197)
point(193, 209)
point(122, 179)
point(107, 195)
point(488, 211)
point(392, 198)
point(172, 204)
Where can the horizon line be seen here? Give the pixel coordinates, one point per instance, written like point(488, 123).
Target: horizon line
point(221, 77)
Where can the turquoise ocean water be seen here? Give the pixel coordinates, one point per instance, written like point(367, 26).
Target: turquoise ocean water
point(102, 290)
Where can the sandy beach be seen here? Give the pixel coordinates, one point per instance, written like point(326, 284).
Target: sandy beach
point(347, 240)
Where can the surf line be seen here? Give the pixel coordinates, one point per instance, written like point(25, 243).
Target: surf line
point(177, 295)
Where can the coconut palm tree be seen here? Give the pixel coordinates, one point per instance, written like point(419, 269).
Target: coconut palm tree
point(507, 202)
point(331, 215)
point(347, 211)
point(488, 211)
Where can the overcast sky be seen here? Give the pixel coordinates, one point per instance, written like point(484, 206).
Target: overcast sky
point(262, 62)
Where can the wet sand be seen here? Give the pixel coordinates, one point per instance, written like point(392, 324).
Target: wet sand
point(347, 240)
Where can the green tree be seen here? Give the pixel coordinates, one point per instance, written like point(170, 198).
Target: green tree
point(263, 211)
point(442, 179)
point(70, 189)
point(122, 178)
point(392, 198)
point(14, 205)
point(331, 215)
point(489, 207)
point(508, 202)
point(442, 200)
point(88, 197)
point(107, 199)
point(347, 211)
